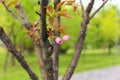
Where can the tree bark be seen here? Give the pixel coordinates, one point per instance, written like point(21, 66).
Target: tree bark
point(78, 50)
point(11, 48)
point(80, 43)
point(79, 46)
point(56, 48)
point(46, 47)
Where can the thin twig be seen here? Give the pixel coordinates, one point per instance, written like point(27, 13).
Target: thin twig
point(24, 20)
point(24, 17)
point(98, 10)
point(82, 7)
point(12, 13)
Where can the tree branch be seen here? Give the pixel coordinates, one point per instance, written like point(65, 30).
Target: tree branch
point(98, 9)
point(56, 48)
point(78, 48)
point(12, 13)
point(25, 21)
point(24, 17)
point(82, 7)
point(43, 30)
point(11, 48)
point(90, 6)
point(80, 43)
point(41, 60)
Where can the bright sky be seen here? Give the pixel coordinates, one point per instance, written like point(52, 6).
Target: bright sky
point(98, 2)
point(116, 2)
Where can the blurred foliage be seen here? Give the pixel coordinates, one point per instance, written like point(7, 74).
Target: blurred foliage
point(90, 59)
point(105, 23)
point(101, 30)
point(72, 29)
point(14, 28)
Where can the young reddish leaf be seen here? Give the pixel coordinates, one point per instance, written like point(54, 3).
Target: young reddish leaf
point(64, 14)
point(13, 2)
point(48, 14)
point(49, 32)
point(30, 33)
point(59, 5)
point(63, 11)
point(53, 21)
point(62, 26)
point(70, 2)
point(50, 9)
point(61, 30)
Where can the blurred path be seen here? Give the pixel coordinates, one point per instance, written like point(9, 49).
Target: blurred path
point(109, 73)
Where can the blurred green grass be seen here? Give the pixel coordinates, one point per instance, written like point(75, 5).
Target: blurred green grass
point(90, 59)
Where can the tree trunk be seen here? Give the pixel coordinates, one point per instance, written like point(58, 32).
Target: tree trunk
point(109, 49)
point(46, 47)
point(56, 48)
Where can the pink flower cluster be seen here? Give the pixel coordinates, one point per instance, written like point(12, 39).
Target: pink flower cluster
point(35, 26)
point(59, 41)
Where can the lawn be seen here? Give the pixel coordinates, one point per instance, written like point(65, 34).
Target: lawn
point(90, 59)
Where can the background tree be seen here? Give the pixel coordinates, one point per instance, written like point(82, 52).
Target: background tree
point(104, 29)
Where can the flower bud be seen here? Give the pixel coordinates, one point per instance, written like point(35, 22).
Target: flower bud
point(35, 24)
point(66, 37)
point(35, 29)
point(58, 41)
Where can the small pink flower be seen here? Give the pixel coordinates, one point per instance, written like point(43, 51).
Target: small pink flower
point(58, 41)
point(35, 29)
point(35, 24)
point(66, 37)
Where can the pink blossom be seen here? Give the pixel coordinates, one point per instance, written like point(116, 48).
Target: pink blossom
point(66, 37)
point(35, 29)
point(58, 41)
point(35, 24)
